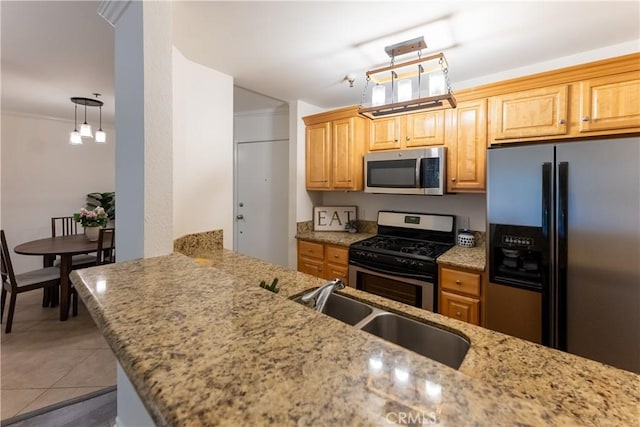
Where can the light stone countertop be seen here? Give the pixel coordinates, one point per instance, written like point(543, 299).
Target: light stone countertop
point(471, 258)
point(339, 238)
point(203, 344)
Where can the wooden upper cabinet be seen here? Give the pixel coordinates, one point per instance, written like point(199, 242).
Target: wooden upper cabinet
point(423, 129)
point(530, 113)
point(407, 131)
point(385, 134)
point(610, 102)
point(335, 144)
point(466, 141)
point(318, 156)
point(343, 170)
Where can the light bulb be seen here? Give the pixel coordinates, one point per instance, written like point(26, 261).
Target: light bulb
point(75, 138)
point(101, 137)
point(85, 130)
point(436, 84)
point(404, 90)
point(378, 95)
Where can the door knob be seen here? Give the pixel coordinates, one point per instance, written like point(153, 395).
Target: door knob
point(239, 216)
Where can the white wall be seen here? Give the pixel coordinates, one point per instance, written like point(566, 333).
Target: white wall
point(202, 149)
point(554, 64)
point(470, 209)
point(44, 176)
point(301, 201)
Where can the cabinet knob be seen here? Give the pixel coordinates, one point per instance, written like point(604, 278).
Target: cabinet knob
point(407, 138)
point(453, 179)
point(458, 314)
point(561, 121)
point(336, 256)
point(458, 282)
point(585, 119)
point(396, 140)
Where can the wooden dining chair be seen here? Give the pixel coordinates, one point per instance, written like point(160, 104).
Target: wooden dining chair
point(64, 226)
point(47, 277)
point(106, 246)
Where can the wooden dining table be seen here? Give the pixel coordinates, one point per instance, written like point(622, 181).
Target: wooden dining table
point(66, 247)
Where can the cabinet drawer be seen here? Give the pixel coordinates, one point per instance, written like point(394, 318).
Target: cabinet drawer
point(337, 255)
point(333, 271)
point(311, 250)
point(459, 307)
point(310, 266)
point(460, 282)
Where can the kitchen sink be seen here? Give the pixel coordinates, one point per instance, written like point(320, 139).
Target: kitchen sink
point(345, 309)
point(427, 340)
point(430, 341)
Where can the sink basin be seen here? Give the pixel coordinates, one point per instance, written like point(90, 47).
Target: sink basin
point(345, 309)
point(430, 341)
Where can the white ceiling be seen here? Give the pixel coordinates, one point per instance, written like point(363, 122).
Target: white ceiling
point(298, 50)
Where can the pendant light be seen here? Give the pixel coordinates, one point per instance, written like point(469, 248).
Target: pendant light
point(74, 136)
point(101, 137)
point(85, 128)
point(413, 85)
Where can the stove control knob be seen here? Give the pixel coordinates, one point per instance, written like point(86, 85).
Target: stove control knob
point(413, 263)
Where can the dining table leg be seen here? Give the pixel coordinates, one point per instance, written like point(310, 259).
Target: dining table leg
point(65, 269)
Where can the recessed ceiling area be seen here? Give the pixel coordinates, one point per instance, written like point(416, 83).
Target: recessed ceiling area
point(53, 50)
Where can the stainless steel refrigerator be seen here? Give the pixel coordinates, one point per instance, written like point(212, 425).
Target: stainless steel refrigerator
point(564, 246)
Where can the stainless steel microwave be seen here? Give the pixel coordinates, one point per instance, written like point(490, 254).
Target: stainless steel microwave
point(416, 171)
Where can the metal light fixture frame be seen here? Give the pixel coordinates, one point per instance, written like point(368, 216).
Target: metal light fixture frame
point(87, 102)
point(420, 68)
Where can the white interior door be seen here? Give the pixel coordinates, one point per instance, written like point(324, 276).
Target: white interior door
point(262, 200)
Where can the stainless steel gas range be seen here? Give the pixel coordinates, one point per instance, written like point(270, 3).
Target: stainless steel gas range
point(399, 263)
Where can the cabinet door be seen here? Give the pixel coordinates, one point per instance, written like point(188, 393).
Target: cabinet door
point(385, 134)
point(610, 102)
point(459, 307)
point(466, 140)
point(318, 156)
point(531, 113)
point(343, 152)
point(422, 129)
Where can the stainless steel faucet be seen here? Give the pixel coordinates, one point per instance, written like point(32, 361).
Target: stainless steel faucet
point(321, 295)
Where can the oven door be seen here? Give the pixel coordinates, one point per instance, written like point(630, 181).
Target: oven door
point(416, 291)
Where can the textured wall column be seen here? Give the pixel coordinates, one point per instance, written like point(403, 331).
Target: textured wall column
point(144, 153)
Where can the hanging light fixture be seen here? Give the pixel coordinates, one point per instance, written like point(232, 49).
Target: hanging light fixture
point(413, 85)
point(85, 128)
point(74, 136)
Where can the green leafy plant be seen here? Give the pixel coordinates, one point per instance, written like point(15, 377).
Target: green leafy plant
point(105, 200)
point(273, 287)
point(352, 224)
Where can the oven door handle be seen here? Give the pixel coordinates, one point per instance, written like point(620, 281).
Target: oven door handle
point(423, 277)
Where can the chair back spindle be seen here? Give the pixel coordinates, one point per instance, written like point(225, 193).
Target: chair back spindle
point(63, 226)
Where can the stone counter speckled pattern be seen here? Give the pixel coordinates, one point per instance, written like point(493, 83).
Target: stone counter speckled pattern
point(205, 345)
point(339, 238)
point(470, 258)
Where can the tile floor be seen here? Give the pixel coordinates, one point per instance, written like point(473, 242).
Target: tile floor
point(45, 361)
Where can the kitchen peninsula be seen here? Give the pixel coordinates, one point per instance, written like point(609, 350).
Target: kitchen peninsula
point(205, 345)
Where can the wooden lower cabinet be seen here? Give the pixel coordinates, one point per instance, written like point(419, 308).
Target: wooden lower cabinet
point(323, 260)
point(460, 294)
point(459, 307)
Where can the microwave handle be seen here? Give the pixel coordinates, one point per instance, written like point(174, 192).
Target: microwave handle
point(418, 170)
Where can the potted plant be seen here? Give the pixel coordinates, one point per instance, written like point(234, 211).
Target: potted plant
point(351, 226)
point(105, 200)
point(91, 221)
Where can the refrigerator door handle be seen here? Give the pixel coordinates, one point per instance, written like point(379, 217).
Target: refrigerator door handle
point(548, 305)
point(562, 252)
point(546, 199)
